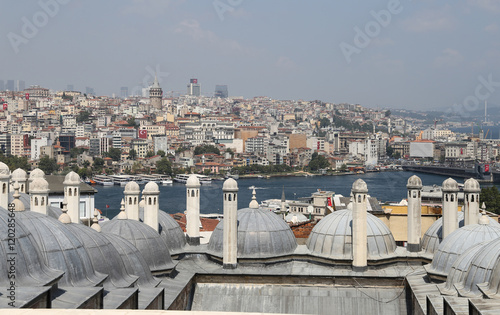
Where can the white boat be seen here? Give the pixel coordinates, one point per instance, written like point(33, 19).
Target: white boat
point(103, 180)
point(166, 182)
point(182, 178)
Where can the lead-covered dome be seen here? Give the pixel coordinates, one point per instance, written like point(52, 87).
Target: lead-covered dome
point(72, 178)
point(4, 169)
point(230, 185)
point(36, 173)
point(332, 237)
point(450, 185)
point(19, 175)
point(261, 234)
point(169, 230)
point(193, 181)
point(39, 185)
point(472, 185)
point(132, 187)
point(414, 182)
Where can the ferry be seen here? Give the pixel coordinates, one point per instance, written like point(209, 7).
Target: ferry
point(120, 180)
point(182, 178)
point(103, 180)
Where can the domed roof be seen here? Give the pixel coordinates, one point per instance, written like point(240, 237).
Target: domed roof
point(359, 186)
point(39, 185)
point(62, 250)
point(53, 212)
point(459, 241)
point(434, 235)
point(169, 230)
point(296, 217)
point(151, 188)
point(19, 175)
point(491, 288)
point(37, 173)
point(230, 185)
point(132, 187)
point(151, 245)
point(332, 237)
point(133, 260)
point(261, 234)
point(4, 169)
point(450, 185)
point(193, 181)
point(72, 178)
point(472, 185)
point(31, 269)
point(105, 258)
point(414, 182)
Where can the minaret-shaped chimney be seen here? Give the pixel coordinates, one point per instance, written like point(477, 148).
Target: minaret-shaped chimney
point(39, 195)
point(359, 226)
point(132, 193)
point(36, 173)
point(4, 185)
point(151, 194)
point(72, 195)
point(230, 224)
point(95, 222)
point(193, 210)
point(471, 201)
point(414, 215)
point(19, 175)
point(450, 206)
point(17, 204)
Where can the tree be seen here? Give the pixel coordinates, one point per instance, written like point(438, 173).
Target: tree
point(164, 166)
point(76, 151)
point(324, 122)
point(150, 154)
point(389, 151)
point(48, 165)
point(318, 162)
point(491, 198)
point(114, 153)
point(132, 155)
point(131, 122)
point(161, 153)
point(343, 168)
point(206, 148)
point(83, 116)
point(98, 164)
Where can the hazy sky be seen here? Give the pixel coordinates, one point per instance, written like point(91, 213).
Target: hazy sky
point(417, 54)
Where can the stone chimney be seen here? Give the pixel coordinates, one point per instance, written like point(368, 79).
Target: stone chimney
point(414, 214)
point(230, 224)
point(359, 226)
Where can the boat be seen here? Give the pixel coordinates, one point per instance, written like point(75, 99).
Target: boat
point(103, 180)
point(252, 187)
point(182, 178)
point(120, 180)
point(167, 181)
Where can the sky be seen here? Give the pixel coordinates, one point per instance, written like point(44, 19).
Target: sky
point(381, 54)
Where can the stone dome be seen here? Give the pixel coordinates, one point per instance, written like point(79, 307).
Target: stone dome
point(359, 186)
point(261, 234)
point(151, 188)
point(62, 250)
point(133, 261)
point(105, 258)
point(151, 245)
point(169, 230)
point(472, 185)
point(36, 173)
point(296, 217)
point(332, 237)
point(230, 185)
point(132, 187)
point(31, 269)
point(450, 185)
point(72, 178)
point(414, 182)
point(458, 242)
point(19, 175)
point(434, 234)
point(193, 181)
point(4, 169)
point(39, 185)
point(491, 288)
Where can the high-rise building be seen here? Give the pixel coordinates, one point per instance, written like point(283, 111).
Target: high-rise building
point(221, 91)
point(10, 85)
point(156, 94)
point(124, 91)
point(20, 85)
point(89, 91)
point(2, 85)
point(193, 88)
point(70, 87)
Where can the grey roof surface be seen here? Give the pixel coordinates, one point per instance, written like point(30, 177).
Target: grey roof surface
point(54, 212)
point(169, 230)
point(25, 296)
point(374, 203)
point(261, 233)
point(57, 187)
point(458, 242)
point(74, 297)
point(61, 250)
point(332, 237)
point(151, 245)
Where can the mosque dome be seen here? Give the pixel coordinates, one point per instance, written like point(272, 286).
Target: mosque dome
point(472, 185)
point(296, 217)
point(169, 230)
point(4, 169)
point(450, 185)
point(332, 237)
point(414, 182)
point(19, 175)
point(458, 242)
point(261, 234)
point(193, 181)
point(31, 269)
point(62, 250)
point(36, 173)
point(72, 178)
point(132, 187)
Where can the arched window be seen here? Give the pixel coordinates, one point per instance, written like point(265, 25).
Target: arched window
point(130, 200)
point(22, 187)
point(76, 191)
point(229, 197)
point(4, 188)
point(69, 192)
point(225, 196)
point(36, 201)
point(192, 193)
point(42, 201)
point(414, 194)
point(472, 198)
point(234, 197)
point(419, 194)
point(149, 200)
point(154, 201)
point(446, 197)
point(197, 191)
point(135, 200)
point(359, 198)
point(452, 197)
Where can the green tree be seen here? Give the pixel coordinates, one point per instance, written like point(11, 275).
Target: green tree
point(318, 162)
point(150, 154)
point(131, 122)
point(206, 148)
point(161, 153)
point(389, 151)
point(343, 168)
point(48, 165)
point(76, 151)
point(83, 116)
point(98, 164)
point(491, 198)
point(132, 154)
point(324, 122)
point(114, 153)
point(164, 166)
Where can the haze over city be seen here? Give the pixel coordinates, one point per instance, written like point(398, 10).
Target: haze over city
point(411, 54)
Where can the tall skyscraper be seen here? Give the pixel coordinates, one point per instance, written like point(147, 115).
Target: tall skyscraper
point(193, 88)
point(2, 85)
point(89, 91)
point(156, 94)
point(20, 85)
point(124, 92)
point(70, 87)
point(221, 91)
point(10, 85)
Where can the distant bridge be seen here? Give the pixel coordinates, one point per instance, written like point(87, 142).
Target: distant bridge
point(476, 172)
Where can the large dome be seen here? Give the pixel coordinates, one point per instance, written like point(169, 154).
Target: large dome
point(332, 237)
point(261, 234)
point(169, 230)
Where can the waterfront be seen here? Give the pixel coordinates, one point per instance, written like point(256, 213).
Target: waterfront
point(385, 186)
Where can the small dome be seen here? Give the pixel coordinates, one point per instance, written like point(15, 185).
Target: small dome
point(72, 178)
point(151, 188)
point(230, 185)
point(450, 185)
point(414, 182)
point(36, 173)
point(261, 234)
point(332, 237)
point(4, 169)
point(39, 185)
point(193, 181)
point(19, 175)
point(471, 185)
point(359, 186)
point(296, 217)
point(151, 245)
point(458, 242)
point(169, 230)
point(132, 188)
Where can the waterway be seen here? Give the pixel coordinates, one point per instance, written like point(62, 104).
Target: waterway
point(385, 186)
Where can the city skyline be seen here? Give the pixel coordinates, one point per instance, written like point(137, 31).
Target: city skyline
point(394, 54)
